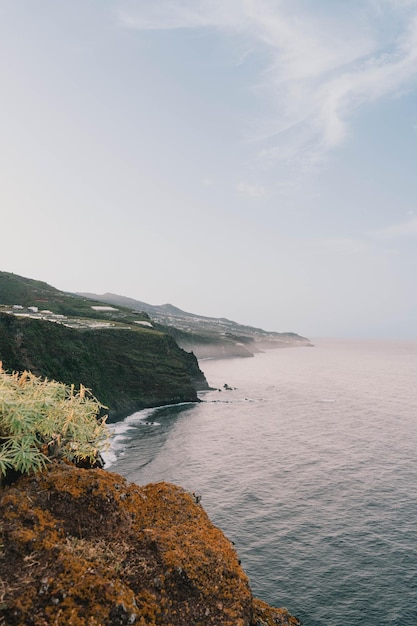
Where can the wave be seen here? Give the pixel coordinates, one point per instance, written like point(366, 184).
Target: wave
point(119, 431)
point(119, 434)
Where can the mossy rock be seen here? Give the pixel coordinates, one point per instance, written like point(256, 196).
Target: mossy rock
point(84, 547)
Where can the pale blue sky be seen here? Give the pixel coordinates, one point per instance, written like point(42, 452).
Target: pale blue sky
point(250, 159)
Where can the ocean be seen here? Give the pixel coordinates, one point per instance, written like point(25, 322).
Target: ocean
point(308, 463)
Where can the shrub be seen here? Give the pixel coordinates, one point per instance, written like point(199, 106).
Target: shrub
point(41, 420)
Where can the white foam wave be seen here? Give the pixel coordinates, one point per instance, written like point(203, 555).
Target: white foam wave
point(118, 434)
point(119, 430)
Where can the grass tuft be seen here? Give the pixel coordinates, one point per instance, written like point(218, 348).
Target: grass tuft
point(42, 420)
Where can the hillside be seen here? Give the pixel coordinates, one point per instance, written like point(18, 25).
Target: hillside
point(20, 292)
point(126, 362)
point(207, 336)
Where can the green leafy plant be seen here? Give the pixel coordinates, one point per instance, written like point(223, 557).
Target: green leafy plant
point(41, 420)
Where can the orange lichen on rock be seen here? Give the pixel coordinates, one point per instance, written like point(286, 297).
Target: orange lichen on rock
point(85, 548)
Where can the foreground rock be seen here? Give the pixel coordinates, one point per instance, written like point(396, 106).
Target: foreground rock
point(85, 548)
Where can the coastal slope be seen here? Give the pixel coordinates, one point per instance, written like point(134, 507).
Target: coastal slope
point(84, 547)
point(126, 369)
point(207, 337)
point(118, 353)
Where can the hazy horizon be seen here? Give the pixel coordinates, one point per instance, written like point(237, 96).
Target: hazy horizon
point(250, 160)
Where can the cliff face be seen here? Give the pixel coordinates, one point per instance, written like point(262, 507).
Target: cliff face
point(126, 370)
point(83, 547)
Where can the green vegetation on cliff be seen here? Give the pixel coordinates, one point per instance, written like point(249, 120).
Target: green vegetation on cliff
point(26, 292)
point(117, 353)
point(125, 369)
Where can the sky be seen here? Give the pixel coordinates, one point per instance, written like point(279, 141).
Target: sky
point(248, 159)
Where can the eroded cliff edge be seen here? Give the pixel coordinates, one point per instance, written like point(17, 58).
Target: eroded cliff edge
point(127, 370)
point(84, 547)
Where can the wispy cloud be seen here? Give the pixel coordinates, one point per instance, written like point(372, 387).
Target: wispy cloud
point(250, 190)
point(344, 246)
point(166, 15)
point(406, 228)
point(320, 66)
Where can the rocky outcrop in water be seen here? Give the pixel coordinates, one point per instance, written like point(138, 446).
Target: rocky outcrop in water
point(85, 548)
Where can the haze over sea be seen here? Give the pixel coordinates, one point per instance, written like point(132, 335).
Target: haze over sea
point(309, 465)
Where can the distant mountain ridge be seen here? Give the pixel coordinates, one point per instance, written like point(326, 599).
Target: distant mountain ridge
point(207, 337)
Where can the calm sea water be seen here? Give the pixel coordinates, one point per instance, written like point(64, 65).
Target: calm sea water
point(309, 465)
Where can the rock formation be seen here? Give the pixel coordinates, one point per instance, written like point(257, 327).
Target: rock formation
point(85, 548)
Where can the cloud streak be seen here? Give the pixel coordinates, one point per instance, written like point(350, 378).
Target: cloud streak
point(407, 228)
point(250, 190)
point(320, 68)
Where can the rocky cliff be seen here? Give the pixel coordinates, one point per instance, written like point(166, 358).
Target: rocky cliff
point(126, 369)
point(85, 548)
